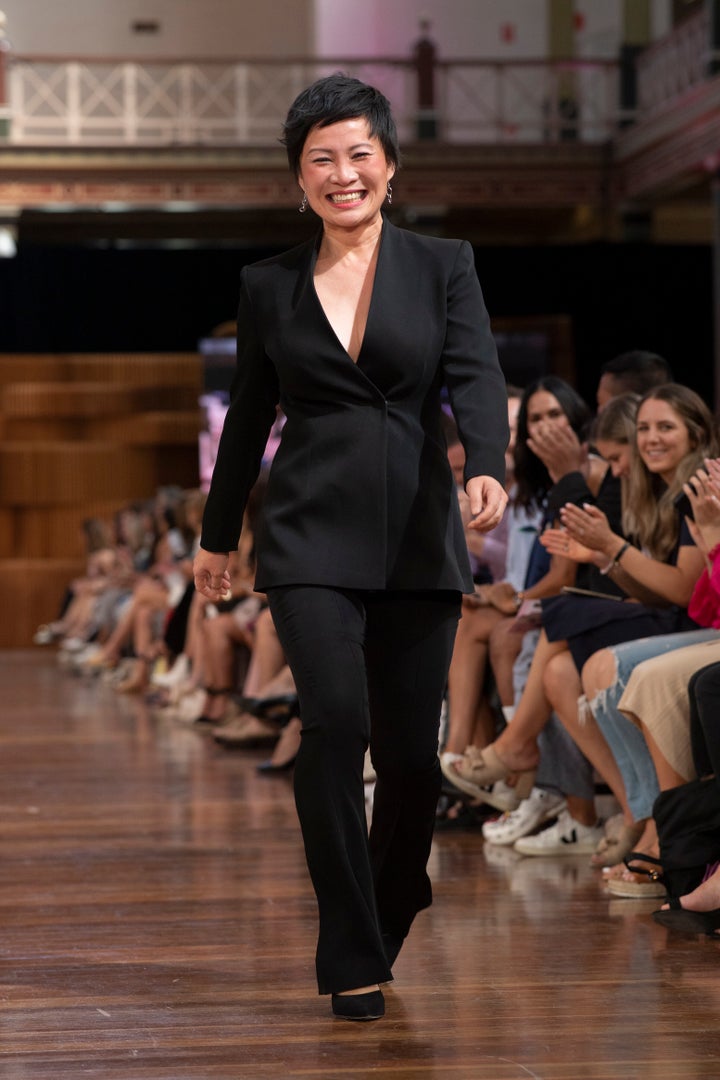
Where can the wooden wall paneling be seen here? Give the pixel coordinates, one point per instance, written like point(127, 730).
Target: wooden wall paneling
point(63, 473)
point(62, 399)
point(55, 532)
point(31, 591)
point(83, 434)
point(138, 369)
point(32, 367)
point(150, 428)
point(7, 532)
point(28, 430)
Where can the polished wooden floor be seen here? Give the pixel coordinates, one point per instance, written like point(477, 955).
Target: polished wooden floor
point(156, 923)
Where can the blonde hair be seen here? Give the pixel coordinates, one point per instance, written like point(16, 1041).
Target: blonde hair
point(649, 515)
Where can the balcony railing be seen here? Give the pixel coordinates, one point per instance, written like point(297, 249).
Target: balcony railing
point(111, 102)
point(675, 64)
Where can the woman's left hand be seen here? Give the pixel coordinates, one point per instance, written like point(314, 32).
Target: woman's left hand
point(560, 542)
point(488, 499)
point(589, 526)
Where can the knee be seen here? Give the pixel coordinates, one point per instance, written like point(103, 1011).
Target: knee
point(404, 758)
point(338, 712)
point(599, 672)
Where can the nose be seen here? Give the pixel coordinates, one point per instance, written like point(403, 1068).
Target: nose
point(344, 173)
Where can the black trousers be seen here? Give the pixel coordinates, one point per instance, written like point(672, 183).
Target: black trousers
point(369, 667)
point(704, 690)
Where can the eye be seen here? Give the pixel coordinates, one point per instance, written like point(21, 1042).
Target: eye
point(361, 154)
point(319, 160)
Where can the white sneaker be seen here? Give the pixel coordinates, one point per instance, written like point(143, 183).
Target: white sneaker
point(178, 673)
point(565, 837)
point(539, 807)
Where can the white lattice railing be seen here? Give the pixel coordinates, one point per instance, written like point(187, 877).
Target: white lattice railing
point(530, 101)
point(154, 102)
point(675, 64)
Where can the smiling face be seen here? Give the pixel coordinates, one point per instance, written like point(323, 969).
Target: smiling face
point(344, 173)
point(663, 439)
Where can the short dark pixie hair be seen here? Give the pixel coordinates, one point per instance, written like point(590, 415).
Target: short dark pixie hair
point(334, 98)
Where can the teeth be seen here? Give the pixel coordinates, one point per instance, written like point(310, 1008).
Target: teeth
point(352, 197)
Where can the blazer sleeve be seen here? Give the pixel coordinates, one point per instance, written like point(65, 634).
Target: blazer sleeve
point(475, 383)
point(254, 395)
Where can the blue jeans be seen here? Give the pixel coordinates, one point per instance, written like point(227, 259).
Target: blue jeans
point(624, 738)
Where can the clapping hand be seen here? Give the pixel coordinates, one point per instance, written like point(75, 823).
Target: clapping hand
point(589, 527)
point(703, 491)
point(560, 542)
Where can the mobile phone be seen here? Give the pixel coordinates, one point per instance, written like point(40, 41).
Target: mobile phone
point(573, 590)
point(682, 504)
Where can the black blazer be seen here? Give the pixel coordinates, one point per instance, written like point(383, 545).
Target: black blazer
point(360, 493)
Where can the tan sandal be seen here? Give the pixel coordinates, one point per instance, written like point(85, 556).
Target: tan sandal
point(480, 769)
point(613, 848)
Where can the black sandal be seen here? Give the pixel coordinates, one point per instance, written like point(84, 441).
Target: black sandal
point(678, 918)
point(211, 691)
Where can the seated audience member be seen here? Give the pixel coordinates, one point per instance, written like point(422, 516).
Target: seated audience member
point(139, 625)
point(563, 771)
point(656, 700)
point(662, 569)
point(633, 372)
point(78, 623)
point(675, 417)
point(547, 402)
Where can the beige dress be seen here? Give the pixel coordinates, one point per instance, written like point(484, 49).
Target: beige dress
point(656, 695)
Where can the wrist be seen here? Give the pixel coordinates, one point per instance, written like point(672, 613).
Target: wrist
point(610, 548)
point(620, 552)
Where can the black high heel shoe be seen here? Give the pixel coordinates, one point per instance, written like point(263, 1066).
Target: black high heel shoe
point(370, 1006)
point(285, 752)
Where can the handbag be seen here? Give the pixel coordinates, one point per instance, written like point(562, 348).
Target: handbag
point(688, 825)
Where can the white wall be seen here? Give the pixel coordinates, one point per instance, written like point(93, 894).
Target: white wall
point(500, 29)
point(460, 28)
point(212, 28)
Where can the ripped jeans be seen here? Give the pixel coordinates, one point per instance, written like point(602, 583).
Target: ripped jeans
point(624, 738)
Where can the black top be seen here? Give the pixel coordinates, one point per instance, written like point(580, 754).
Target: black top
point(360, 493)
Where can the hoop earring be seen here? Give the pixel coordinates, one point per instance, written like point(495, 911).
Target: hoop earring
point(389, 194)
point(304, 204)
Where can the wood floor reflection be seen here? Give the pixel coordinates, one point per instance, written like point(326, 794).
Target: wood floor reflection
point(157, 924)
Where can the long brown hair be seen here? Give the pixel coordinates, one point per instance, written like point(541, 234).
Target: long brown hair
point(649, 515)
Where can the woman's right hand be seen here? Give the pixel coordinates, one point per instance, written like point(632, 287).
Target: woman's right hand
point(704, 494)
point(211, 573)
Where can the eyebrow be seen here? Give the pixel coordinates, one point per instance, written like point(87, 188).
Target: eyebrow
point(326, 150)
